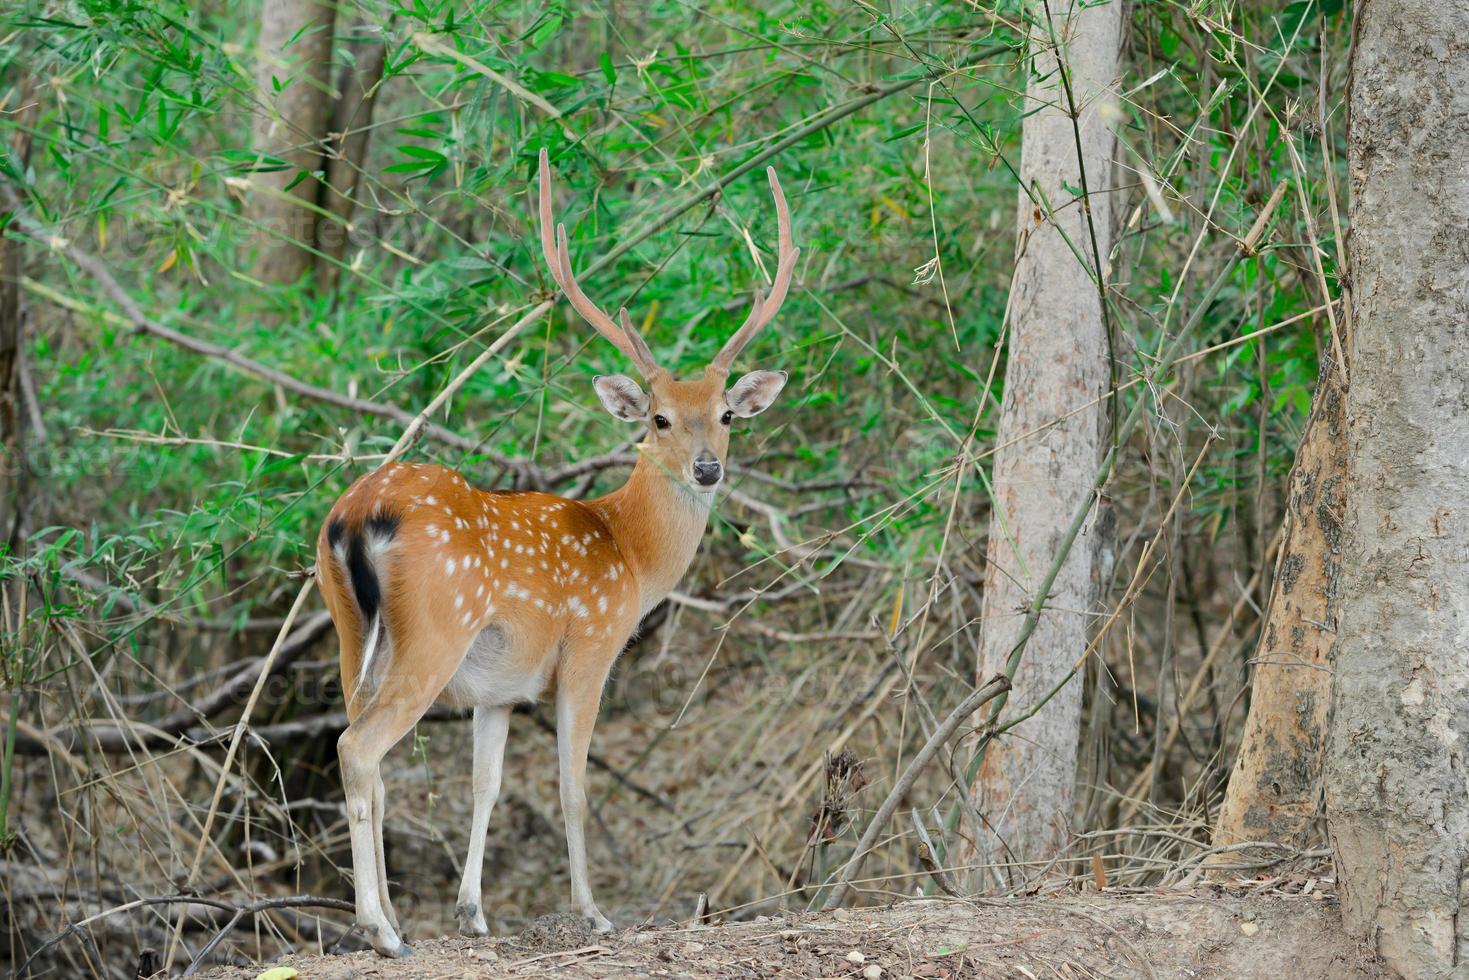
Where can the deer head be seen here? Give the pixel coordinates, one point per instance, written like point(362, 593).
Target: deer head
point(687, 421)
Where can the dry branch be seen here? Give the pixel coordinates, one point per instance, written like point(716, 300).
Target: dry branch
point(140, 322)
point(166, 731)
point(991, 689)
point(237, 911)
point(229, 759)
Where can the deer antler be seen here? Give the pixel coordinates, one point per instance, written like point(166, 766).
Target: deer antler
point(765, 305)
point(554, 247)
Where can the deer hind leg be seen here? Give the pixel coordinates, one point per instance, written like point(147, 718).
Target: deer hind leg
point(349, 632)
point(491, 729)
point(578, 696)
point(389, 713)
point(351, 659)
point(379, 802)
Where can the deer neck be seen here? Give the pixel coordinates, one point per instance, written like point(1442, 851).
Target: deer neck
point(658, 521)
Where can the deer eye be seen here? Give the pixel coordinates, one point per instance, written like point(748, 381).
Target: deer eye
point(726, 418)
point(661, 421)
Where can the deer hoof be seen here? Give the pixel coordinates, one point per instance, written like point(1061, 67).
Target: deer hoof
point(471, 920)
point(385, 940)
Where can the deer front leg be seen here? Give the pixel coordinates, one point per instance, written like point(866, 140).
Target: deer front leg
point(578, 695)
point(491, 728)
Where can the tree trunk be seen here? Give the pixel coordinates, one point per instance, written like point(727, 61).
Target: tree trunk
point(14, 465)
point(12, 458)
point(1274, 793)
point(1057, 363)
point(350, 126)
point(292, 81)
point(1397, 788)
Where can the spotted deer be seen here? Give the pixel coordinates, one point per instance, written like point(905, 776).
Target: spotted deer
point(444, 593)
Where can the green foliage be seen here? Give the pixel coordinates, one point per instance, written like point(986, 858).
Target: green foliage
point(140, 150)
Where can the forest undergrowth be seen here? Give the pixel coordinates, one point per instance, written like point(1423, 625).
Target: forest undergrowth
point(171, 714)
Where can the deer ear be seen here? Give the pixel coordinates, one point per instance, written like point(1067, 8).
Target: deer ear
point(622, 397)
point(755, 392)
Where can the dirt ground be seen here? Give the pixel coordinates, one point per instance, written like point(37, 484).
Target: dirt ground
point(1166, 937)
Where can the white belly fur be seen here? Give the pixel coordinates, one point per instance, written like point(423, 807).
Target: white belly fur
point(488, 675)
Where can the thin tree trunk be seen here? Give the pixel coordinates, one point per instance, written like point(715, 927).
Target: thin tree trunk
point(14, 465)
point(1397, 786)
point(348, 137)
point(1274, 793)
point(1057, 363)
point(12, 458)
point(292, 80)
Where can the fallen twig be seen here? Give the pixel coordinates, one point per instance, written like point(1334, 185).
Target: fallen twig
point(238, 912)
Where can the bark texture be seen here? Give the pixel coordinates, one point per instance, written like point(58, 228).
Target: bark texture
point(1057, 363)
point(292, 80)
point(1396, 791)
point(350, 126)
point(1274, 792)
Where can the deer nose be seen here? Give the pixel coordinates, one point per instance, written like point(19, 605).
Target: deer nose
point(706, 469)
